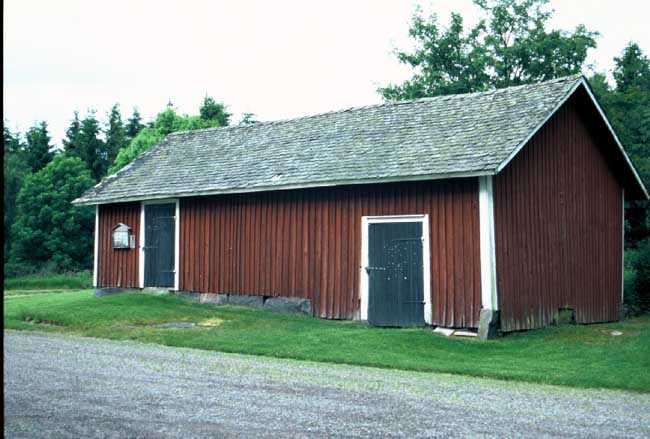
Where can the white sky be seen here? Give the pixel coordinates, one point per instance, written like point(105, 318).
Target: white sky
point(277, 59)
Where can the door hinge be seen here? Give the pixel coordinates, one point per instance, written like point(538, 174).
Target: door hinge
point(369, 269)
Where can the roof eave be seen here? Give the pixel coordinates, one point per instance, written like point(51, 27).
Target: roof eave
point(582, 82)
point(84, 201)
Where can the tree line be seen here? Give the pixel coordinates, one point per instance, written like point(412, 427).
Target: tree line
point(43, 232)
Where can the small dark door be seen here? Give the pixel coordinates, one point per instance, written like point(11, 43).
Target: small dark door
point(159, 224)
point(396, 283)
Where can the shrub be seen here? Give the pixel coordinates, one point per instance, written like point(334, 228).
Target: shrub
point(641, 264)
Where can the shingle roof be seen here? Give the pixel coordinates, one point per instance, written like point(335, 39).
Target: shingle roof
point(446, 136)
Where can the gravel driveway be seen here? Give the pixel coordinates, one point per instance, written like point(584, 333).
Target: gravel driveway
point(64, 386)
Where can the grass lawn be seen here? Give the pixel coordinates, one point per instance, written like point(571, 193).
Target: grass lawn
point(20, 293)
point(49, 282)
point(584, 356)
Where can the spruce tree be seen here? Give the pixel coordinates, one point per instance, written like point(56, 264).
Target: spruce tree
point(92, 148)
point(212, 110)
point(71, 144)
point(15, 169)
point(115, 133)
point(133, 126)
point(37, 150)
point(11, 141)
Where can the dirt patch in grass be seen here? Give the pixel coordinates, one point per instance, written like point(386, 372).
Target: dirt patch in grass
point(39, 322)
point(207, 323)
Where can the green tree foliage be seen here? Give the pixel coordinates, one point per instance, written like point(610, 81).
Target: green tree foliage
point(166, 122)
point(115, 133)
point(133, 126)
point(11, 141)
point(214, 111)
point(14, 169)
point(38, 149)
point(145, 139)
point(642, 276)
point(627, 105)
point(92, 150)
point(248, 119)
point(72, 142)
point(631, 106)
point(510, 45)
point(48, 228)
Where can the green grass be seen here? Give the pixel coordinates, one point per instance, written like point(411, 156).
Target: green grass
point(17, 293)
point(583, 356)
point(55, 281)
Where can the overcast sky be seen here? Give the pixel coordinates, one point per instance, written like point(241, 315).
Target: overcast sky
point(277, 59)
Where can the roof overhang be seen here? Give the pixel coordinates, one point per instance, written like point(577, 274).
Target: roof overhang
point(237, 190)
point(582, 83)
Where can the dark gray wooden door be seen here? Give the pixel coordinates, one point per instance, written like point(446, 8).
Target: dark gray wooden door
point(159, 225)
point(396, 283)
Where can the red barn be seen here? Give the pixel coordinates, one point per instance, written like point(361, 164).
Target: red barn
point(484, 210)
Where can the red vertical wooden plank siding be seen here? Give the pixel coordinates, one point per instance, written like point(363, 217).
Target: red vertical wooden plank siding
point(558, 226)
point(307, 243)
point(118, 268)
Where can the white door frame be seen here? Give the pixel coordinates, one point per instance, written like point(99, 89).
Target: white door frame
point(177, 222)
point(426, 266)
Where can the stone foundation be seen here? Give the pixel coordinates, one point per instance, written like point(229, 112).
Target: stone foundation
point(290, 305)
point(287, 305)
point(111, 291)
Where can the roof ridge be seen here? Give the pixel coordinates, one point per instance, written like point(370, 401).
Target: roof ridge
point(567, 78)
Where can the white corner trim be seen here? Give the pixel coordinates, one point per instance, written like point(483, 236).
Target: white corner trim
point(426, 265)
point(489, 298)
point(177, 240)
point(141, 248)
point(96, 249)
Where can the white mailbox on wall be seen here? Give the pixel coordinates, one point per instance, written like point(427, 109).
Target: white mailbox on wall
point(122, 237)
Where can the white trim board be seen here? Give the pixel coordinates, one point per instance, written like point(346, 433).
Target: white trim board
point(426, 265)
point(96, 249)
point(176, 238)
point(177, 243)
point(489, 294)
point(141, 248)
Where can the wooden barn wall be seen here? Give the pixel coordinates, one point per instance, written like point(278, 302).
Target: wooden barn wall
point(119, 267)
point(307, 243)
point(558, 227)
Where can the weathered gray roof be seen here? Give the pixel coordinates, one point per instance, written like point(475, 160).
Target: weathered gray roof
point(446, 136)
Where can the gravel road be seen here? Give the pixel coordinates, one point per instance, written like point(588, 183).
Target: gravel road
point(62, 386)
